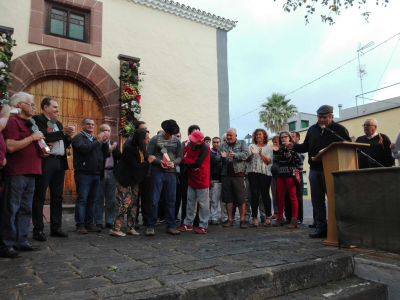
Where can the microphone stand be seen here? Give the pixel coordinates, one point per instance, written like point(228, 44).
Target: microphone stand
point(366, 155)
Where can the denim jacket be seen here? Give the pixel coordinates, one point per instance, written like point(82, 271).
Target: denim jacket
point(241, 153)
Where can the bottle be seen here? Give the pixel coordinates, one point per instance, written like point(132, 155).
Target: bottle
point(44, 149)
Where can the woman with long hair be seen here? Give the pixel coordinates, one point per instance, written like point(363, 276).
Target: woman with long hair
point(287, 161)
point(259, 174)
point(129, 172)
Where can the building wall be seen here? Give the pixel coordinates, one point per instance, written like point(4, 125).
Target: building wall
point(312, 119)
point(389, 124)
point(179, 57)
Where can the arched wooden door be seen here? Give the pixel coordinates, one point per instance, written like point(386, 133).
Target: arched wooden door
point(76, 101)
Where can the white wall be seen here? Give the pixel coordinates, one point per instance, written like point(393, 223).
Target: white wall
point(178, 55)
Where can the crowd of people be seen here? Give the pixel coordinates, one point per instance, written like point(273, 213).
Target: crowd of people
point(197, 182)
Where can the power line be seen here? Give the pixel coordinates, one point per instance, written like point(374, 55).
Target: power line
point(326, 74)
point(397, 103)
point(342, 65)
point(385, 87)
point(386, 66)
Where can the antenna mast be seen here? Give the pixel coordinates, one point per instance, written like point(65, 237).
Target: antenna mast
point(361, 68)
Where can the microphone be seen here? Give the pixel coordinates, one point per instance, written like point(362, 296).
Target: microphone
point(323, 128)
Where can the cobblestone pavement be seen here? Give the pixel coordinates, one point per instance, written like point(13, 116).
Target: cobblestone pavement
point(94, 266)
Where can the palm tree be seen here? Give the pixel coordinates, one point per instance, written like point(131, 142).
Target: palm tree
point(276, 112)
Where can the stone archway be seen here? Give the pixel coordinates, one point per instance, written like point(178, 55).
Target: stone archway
point(38, 64)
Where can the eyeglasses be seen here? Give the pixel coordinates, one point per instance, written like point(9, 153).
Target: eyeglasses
point(367, 125)
point(284, 137)
point(30, 104)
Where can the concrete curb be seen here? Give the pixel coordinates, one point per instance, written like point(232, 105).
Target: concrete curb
point(261, 283)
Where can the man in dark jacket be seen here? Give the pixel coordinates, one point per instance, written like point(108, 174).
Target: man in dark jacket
point(316, 140)
point(106, 200)
point(53, 170)
point(89, 154)
point(379, 148)
point(215, 187)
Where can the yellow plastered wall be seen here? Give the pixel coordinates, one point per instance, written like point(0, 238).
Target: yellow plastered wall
point(389, 124)
point(178, 55)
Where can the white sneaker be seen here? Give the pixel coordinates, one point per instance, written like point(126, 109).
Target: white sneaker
point(116, 233)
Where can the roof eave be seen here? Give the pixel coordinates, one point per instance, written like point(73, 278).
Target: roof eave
point(190, 13)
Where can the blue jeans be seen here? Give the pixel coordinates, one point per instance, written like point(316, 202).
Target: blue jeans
point(87, 189)
point(16, 210)
point(158, 180)
point(106, 199)
point(318, 192)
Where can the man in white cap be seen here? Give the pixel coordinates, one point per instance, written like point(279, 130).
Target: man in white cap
point(196, 158)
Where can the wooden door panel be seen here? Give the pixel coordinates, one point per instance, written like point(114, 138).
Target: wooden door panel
point(75, 102)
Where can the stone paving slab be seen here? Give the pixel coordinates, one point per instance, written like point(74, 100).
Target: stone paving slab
point(100, 266)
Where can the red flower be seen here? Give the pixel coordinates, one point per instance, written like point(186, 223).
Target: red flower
point(138, 97)
point(131, 63)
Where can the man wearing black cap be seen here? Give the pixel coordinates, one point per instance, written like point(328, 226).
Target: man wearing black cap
point(167, 149)
point(316, 140)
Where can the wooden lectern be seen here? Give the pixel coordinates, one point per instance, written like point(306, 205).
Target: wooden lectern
point(338, 156)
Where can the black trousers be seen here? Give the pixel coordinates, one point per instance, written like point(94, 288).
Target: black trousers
point(144, 187)
point(53, 173)
point(259, 183)
point(288, 204)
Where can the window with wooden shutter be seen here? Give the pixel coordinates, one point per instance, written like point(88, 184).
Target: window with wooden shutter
point(67, 22)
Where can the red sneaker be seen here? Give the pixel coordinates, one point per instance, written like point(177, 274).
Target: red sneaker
point(185, 228)
point(201, 230)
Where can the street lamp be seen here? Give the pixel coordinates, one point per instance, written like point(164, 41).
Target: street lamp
point(248, 137)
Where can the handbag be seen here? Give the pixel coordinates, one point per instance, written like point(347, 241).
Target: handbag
point(296, 174)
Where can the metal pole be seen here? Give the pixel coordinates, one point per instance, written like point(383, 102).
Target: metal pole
point(359, 73)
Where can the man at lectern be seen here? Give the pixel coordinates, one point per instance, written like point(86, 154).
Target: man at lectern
point(320, 136)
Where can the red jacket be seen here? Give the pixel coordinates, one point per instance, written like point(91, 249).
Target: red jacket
point(197, 158)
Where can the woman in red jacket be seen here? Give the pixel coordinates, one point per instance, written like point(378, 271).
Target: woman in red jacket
point(196, 158)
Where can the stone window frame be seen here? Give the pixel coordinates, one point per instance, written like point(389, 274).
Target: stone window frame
point(37, 30)
point(50, 5)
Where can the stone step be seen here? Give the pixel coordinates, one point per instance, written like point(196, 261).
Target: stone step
point(262, 283)
point(352, 288)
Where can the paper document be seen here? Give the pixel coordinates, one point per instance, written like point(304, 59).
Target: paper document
point(397, 142)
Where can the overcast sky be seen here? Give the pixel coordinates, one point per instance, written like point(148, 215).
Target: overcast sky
point(273, 51)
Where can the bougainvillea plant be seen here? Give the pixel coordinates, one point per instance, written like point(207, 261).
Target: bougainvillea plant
point(130, 97)
point(6, 43)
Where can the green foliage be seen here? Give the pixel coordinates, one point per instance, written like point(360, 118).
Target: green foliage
point(6, 44)
point(130, 97)
point(113, 268)
point(129, 130)
point(275, 112)
point(333, 6)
